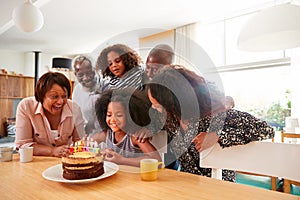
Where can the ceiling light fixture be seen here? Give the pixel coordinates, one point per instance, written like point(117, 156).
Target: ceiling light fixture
point(27, 17)
point(275, 28)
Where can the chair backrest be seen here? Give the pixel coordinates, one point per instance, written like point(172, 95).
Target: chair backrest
point(286, 182)
point(288, 135)
point(159, 141)
point(268, 158)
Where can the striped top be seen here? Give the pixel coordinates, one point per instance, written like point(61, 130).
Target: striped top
point(125, 147)
point(132, 78)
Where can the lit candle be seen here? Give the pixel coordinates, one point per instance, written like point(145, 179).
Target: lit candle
point(71, 150)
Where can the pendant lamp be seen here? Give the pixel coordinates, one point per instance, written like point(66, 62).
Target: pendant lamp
point(27, 17)
point(275, 28)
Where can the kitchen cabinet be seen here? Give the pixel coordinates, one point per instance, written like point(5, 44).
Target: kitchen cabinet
point(13, 89)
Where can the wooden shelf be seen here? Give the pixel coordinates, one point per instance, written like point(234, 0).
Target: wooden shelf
point(15, 97)
point(12, 97)
point(12, 89)
point(11, 75)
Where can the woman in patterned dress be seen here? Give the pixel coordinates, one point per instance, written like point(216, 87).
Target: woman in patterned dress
point(196, 117)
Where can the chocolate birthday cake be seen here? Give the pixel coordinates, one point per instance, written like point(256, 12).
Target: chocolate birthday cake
point(82, 165)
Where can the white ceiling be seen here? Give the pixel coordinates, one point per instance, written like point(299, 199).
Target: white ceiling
point(80, 26)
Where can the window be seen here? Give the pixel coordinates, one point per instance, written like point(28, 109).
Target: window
point(260, 82)
point(257, 88)
point(263, 92)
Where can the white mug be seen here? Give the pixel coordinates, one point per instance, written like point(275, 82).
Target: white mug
point(26, 154)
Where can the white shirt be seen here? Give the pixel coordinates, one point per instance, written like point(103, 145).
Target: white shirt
point(86, 100)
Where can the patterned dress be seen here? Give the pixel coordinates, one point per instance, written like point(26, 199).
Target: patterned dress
point(233, 127)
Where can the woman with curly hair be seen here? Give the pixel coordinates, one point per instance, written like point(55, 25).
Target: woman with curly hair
point(196, 117)
point(121, 64)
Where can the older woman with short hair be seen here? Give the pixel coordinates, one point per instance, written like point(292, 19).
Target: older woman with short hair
point(49, 121)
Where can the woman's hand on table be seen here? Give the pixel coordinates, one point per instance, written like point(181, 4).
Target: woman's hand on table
point(61, 151)
point(204, 140)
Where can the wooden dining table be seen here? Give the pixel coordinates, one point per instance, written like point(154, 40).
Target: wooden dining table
point(25, 181)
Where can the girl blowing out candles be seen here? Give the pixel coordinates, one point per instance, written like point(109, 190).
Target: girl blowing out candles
point(121, 113)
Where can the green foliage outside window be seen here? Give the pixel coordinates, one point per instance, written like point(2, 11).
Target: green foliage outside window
point(275, 114)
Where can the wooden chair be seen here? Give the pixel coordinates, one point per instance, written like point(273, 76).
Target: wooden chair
point(259, 180)
point(264, 181)
point(288, 184)
point(288, 135)
point(264, 158)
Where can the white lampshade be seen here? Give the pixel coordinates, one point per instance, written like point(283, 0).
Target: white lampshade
point(28, 17)
point(275, 28)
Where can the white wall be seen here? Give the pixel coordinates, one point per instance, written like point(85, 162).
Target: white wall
point(128, 38)
point(211, 38)
point(12, 61)
point(23, 63)
point(148, 42)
